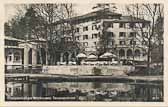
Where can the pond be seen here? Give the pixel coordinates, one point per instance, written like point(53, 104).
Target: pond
point(87, 91)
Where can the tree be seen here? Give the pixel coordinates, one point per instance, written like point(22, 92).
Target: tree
point(148, 36)
point(51, 22)
point(58, 25)
point(16, 26)
point(7, 29)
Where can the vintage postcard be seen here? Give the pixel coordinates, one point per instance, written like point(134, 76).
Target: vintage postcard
point(83, 53)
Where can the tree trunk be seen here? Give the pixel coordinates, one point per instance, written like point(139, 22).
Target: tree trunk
point(148, 58)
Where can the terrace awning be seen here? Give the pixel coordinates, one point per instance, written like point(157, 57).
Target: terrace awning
point(108, 55)
point(81, 55)
point(92, 57)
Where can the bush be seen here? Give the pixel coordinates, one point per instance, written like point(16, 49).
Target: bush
point(143, 71)
point(96, 71)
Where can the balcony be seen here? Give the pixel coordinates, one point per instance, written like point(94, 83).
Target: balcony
point(22, 69)
point(122, 37)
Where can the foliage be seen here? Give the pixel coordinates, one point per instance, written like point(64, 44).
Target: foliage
point(47, 21)
point(150, 36)
point(97, 71)
point(24, 27)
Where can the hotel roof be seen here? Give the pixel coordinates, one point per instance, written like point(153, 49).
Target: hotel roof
point(96, 13)
point(132, 19)
point(126, 19)
point(107, 12)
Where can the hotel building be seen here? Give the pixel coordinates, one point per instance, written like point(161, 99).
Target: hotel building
point(122, 33)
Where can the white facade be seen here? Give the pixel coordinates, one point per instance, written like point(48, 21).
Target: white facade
point(21, 53)
point(13, 53)
point(124, 36)
point(13, 57)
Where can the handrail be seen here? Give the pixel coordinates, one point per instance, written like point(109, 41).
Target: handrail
point(22, 69)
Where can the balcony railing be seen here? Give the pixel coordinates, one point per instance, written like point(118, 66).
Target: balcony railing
point(22, 69)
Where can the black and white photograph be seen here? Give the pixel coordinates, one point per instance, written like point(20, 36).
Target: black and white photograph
point(92, 52)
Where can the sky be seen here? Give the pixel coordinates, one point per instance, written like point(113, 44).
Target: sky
point(11, 9)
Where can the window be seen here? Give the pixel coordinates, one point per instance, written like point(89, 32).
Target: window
point(99, 34)
point(94, 27)
point(137, 53)
point(111, 25)
point(77, 38)
point(85, 37)
point(122, 25)
point(111, 43)
point(85, 43)
point(99, 26)
point(16, 56)
point(110, 34)
point(77, 29)
point(122, 42)
point(10, 58)
point(10, 53)
point(122, 34)
point(129, 53)
point(122, 53)
point(143, 25)
point(95, 43)
point(132, 42)
point(108, 24)
point(85, 28)
point(56, 32)
point(132, 34)
point(11, 43)
point(10, 90)
point(6, 58)
point(94, 35)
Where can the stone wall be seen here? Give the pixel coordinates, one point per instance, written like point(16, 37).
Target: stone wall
point(88, 70)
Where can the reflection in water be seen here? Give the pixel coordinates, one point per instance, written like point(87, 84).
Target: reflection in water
point(91, 91)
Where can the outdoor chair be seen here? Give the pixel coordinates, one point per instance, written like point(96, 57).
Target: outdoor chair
point(58, 63)
point(96, 63)
point(105, 63)
point(100, 63)
point(87, 63)
point(70, 63)
point(92, 63)
point(74, 63)
point(63, 63)
point(83, 63)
